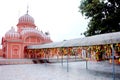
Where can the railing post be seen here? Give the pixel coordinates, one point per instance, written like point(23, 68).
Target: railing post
point(67, 60)
point(62, 59)
point(113, 52)
point(86, 60)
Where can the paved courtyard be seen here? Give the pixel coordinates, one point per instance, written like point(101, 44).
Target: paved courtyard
point(55, 71)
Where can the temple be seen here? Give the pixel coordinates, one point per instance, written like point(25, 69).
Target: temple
point(15, 42)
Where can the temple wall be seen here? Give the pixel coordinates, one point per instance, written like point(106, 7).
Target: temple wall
point(1, 53)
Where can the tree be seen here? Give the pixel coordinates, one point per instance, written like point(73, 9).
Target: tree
point(104, 16)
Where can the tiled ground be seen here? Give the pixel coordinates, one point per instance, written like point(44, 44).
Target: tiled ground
point(56, 71)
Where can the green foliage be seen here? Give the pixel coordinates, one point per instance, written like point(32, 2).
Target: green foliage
point(104, 16)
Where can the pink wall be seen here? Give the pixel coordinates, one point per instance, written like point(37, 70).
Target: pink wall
point(1, 53)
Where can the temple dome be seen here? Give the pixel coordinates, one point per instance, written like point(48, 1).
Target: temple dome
point(26, 20)
point(11, 34)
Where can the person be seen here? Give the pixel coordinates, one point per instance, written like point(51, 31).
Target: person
point(83, 53)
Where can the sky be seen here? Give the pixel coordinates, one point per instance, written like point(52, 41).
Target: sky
point(61, 18)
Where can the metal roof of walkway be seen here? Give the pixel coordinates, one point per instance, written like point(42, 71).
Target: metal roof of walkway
point(108, 38)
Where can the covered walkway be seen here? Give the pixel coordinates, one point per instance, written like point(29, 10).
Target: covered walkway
point(98, 47)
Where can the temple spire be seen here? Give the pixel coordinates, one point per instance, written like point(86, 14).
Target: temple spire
point(27, 9)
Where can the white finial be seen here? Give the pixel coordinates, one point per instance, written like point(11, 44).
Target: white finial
point(12, 28)
point(27, 9)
